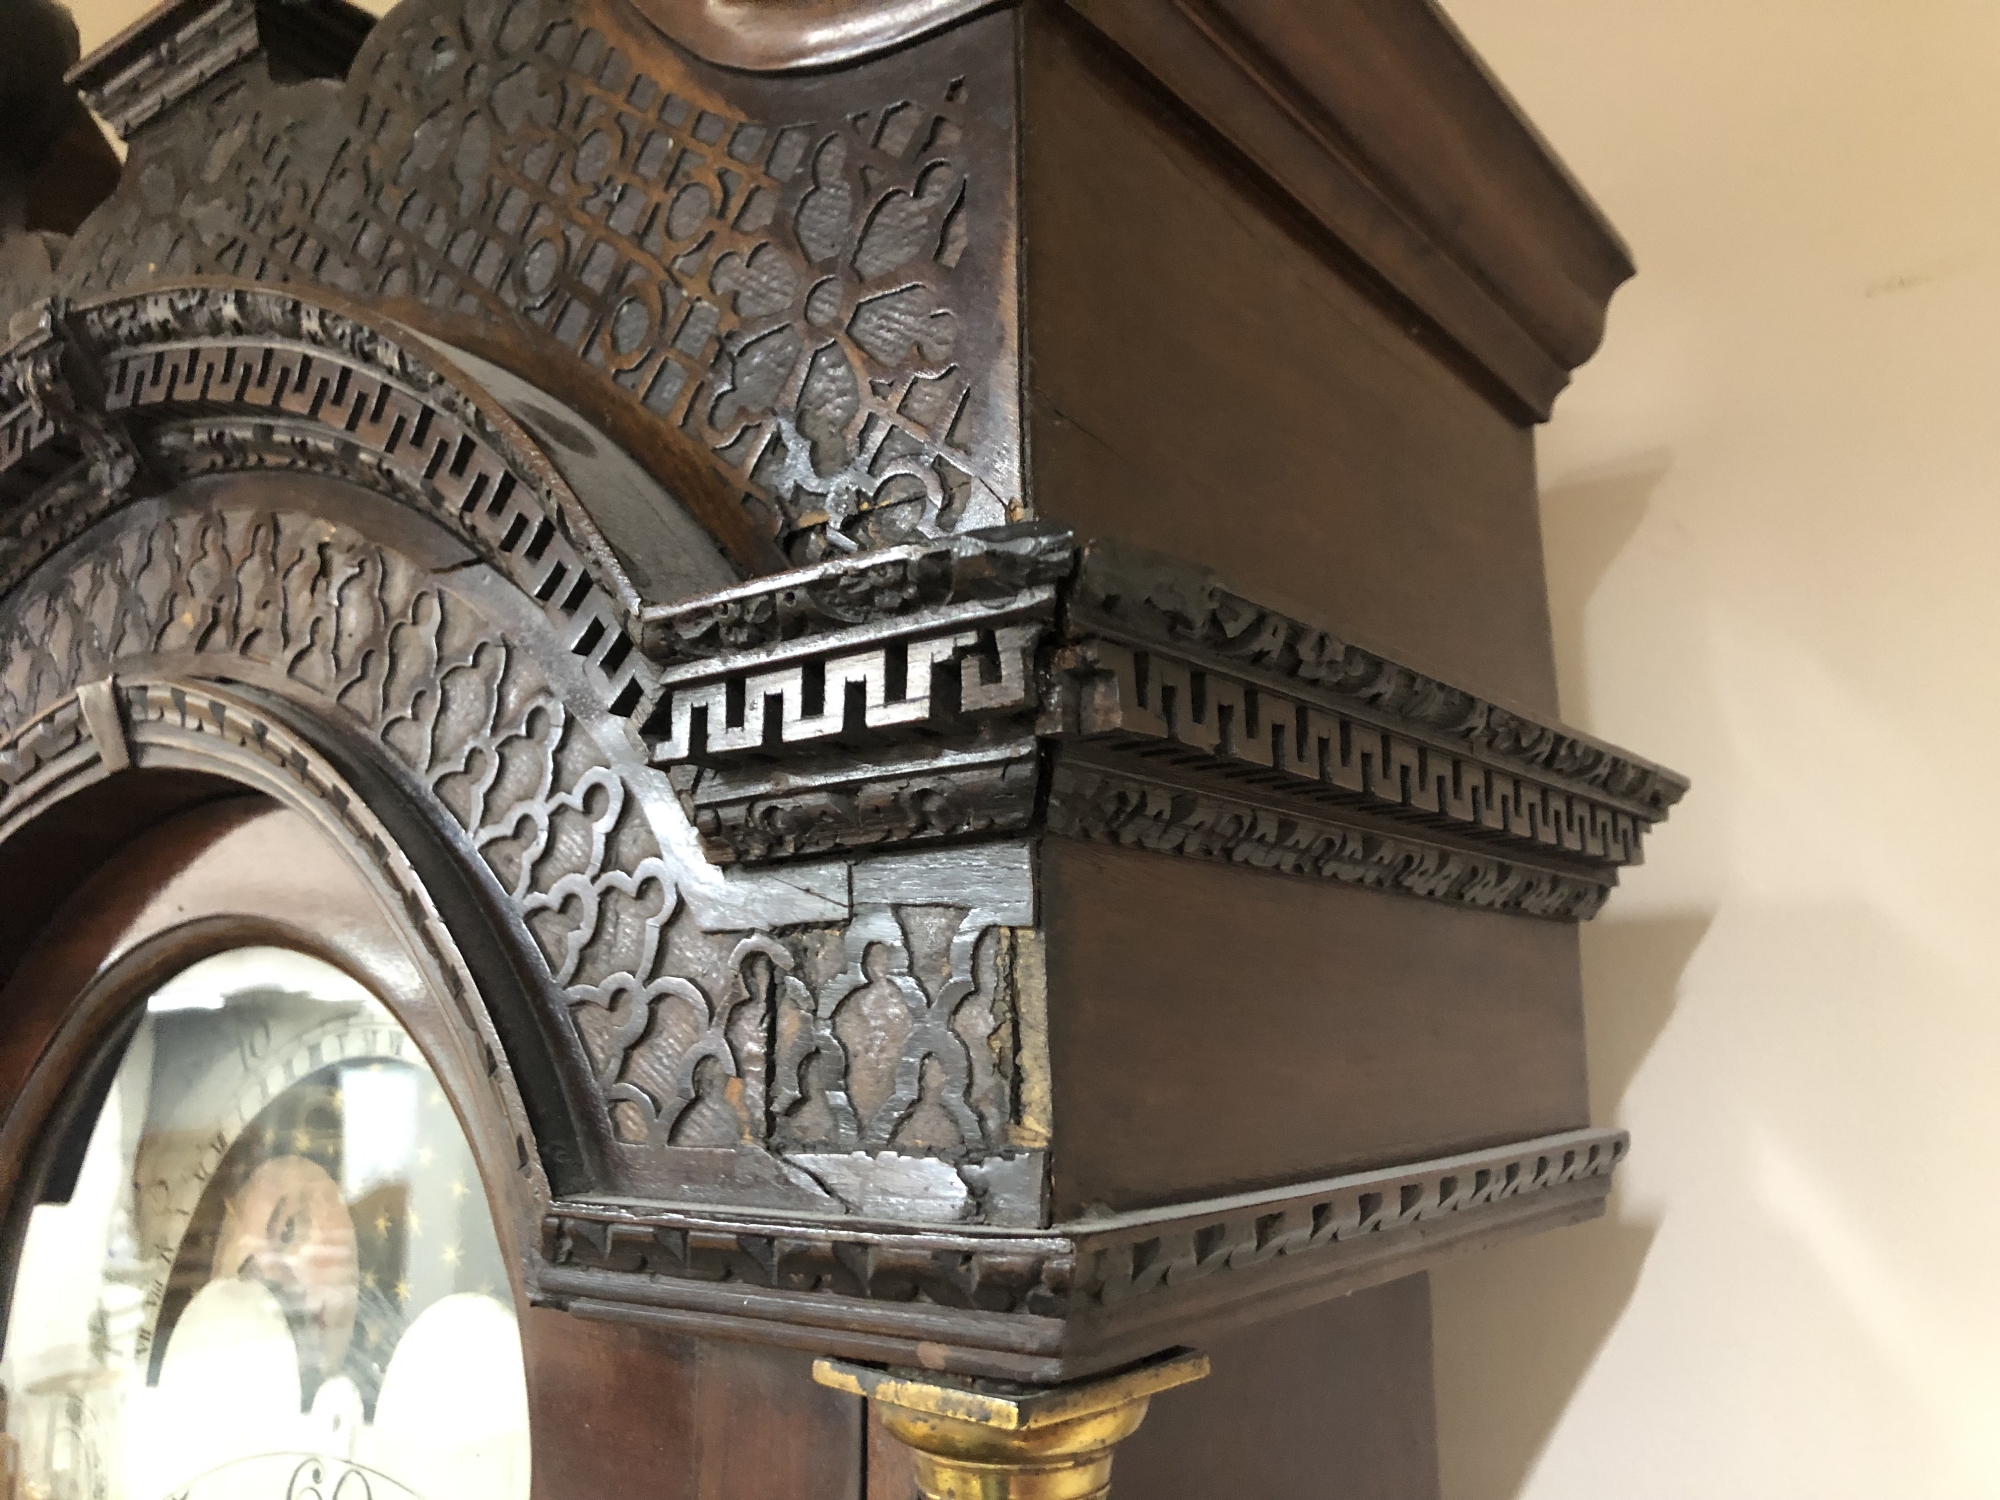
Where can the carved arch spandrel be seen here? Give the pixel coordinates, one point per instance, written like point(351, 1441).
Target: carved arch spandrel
point(342, 525)
point(794, 305)
point(670, 1018)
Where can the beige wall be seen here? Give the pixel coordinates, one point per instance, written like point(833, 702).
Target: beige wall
point(1773, 520)
point(1772, 516)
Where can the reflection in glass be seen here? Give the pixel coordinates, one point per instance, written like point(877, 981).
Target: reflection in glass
point(276, 1277)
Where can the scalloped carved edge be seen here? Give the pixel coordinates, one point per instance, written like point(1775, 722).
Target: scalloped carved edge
point(993, 566)
point(1060, 1303)
point(1110, 804)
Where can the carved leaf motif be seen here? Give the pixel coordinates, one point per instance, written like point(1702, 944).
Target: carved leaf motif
point(873, 1022)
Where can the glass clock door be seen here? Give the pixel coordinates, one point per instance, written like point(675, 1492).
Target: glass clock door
point(277, 1276)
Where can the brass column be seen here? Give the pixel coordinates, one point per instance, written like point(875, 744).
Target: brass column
point(974, 1443)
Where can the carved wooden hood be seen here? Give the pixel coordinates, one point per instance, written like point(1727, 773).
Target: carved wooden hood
point(1017, 735)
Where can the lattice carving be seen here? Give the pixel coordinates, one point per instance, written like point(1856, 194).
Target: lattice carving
point(676, 1022)
point(908, 1045)
point(788, 297)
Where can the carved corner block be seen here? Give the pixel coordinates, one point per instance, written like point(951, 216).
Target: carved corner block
point(886, 699)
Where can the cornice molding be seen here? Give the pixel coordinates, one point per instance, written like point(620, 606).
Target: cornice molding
point(1065, 1302)
point(1377, 120)
point(1149, 599)
point(900, 696)
point(103, 402)
point(865, 589)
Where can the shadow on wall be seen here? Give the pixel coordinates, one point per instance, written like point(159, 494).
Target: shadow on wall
point(1523, 1322)
point(1586, 522)
point(1519, 1326)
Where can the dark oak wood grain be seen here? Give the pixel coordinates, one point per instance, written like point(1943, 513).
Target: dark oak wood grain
point(1332, 1402)
point(1204, 379)
point(1216, 1030)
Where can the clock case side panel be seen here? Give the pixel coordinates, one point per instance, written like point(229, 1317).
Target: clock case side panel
point(1212, 375)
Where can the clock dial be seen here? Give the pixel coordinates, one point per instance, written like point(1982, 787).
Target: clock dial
point(277, 1275)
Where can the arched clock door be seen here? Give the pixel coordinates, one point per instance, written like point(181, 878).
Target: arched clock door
point(259, 1256)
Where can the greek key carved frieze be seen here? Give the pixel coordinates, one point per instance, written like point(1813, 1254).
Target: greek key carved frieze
point(210, 381)
point(41, 742)
point(809, 311)
point(1149, 600)
point(932, 682)
point(808, 711)
point(1144, 698)
point(889, 699)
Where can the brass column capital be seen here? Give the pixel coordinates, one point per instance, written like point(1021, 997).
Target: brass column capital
point(987, 1441)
